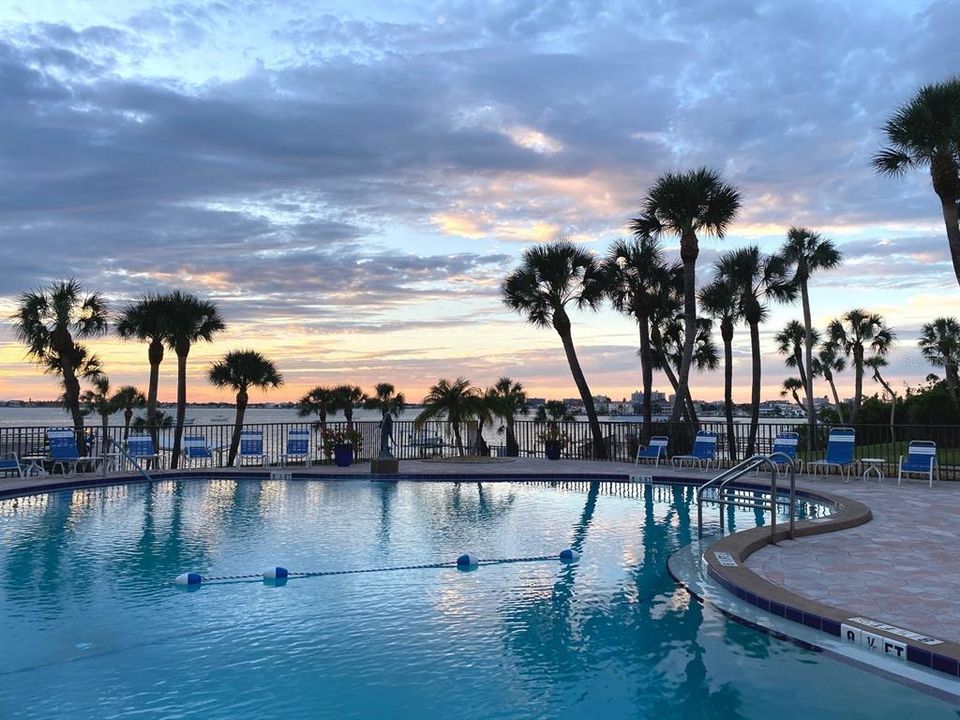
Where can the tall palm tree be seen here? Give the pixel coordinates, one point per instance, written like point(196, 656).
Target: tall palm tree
point(189, 320)
point(638, 275)
point(456, 402)
point(510, 400)
point(875, 363)
point(242, 370)
point(387, 400)
point(756, 278)
point(128, 398)
point(320, 401)
point(145, 320)
point(791, 343)
point(346, 398)
point(791, 386)
point(851, 334)
point(552, 277)
point(721, 301)
point(940, 345)
point(50, 321)
point(806, 252)
point(923, 132)
point(684, 204)
point(97, 401)
point(829, 361)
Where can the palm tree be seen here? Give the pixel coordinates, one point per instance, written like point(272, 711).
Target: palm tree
point(875, 363)
point(923, 132)
point(850, 335)
point(638, 275)
point(667, 342)
point(320, 402)
point(940, 345)
point(189, 320)
point(807, 252)
point(791, 343)
point(685, 204)
point(97, 401)
point(554, 411)
point(756, 278)
point(241, 370)
point(387, 400)
point(49, 321)
point(510, 400)
point(456, 401)
point(552, 277)
point(145, 320)
point(830, 360)
point(790, 386)
point(346, 398)
point(721, 301)
point(162, 420)
point(127, 398)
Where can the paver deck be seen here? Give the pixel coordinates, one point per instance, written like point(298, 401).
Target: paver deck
point(902, 567)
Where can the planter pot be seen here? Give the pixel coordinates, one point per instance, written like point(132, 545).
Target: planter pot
point(343, 455)
point(553, 448)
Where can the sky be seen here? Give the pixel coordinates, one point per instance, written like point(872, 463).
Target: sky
point(351, 181)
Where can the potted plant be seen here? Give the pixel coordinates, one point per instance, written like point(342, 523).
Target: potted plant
point(554, 441)
point(341, 444)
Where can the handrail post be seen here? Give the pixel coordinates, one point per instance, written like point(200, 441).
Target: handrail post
point(773, 502)
point(793, 497)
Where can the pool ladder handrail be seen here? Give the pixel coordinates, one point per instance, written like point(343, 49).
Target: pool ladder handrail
point(123, 451)
point(721, 481)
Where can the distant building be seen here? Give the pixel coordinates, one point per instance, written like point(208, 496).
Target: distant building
point(535, 402)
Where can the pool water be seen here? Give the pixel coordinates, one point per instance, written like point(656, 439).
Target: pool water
point(92, 626)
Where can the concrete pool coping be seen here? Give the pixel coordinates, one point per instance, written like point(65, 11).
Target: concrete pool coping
point(740, 580)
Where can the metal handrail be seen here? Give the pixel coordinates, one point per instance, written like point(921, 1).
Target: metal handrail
point(123, 451)
point(725, 478)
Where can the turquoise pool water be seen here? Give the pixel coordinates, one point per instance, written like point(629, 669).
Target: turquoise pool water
point(93, 628)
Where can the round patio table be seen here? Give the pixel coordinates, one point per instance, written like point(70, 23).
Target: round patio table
point(874, 465)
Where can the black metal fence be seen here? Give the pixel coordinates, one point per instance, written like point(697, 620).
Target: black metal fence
point(621, 440)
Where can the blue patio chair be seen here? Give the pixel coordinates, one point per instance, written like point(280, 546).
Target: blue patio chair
point(656, 450)
point(786, 443)
point(921, 460)
point(841, 445)
point(63, 451)
point(140, 447)
point(298, 447)
point(196, 449)
point(703, 454)
point(10, 463)
point(251, 447)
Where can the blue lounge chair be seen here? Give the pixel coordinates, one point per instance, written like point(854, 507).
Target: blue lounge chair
point(64, 453)
point(656, 450)
point(921, 460)
point(140, 447)
point(786, 444)
point(9, 462)
point(703, 454)
point(841, 445)
point(251, 447)
point(298, 447)
point(196, 449)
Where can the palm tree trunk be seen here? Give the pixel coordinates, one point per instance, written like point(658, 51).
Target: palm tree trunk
point(688, 252)
point(950, 219)
point(181, 405)
point(726, 331)
point(857, 383)
point(513, 448)
point(646, 371)
point(562, 324)
point(457, 438)
point(893, 402)
point(127, 417)
point(672, 379)
point(836, 396)
point(155, 356)
point(755, 388)
point(808, 357)
point(104, 440)
point(348, 416)
point(952, 381)
point(242, 399)
point(71, 398)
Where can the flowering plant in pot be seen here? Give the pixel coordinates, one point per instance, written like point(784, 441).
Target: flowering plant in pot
point(554, 440)
point(342, 445)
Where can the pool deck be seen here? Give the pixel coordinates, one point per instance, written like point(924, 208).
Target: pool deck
point(902, 567)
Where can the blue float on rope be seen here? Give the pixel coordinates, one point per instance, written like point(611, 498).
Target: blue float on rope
point(467, 561)
point(188, 579)
point(275, 573)
point(569, 555)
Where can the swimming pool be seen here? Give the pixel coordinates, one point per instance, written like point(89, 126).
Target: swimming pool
point(93, 628)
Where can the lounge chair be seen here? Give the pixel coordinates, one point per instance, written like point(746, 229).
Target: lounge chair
point(656, 450)
point(921, 460)
point(425, 443)
point(63, 451)
point(251, 447)
point(140, 447)
point(196, 449)
point(703, 454)
point(9, 462)
point(786, 443)
point(841, 445)
point(298, 447)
